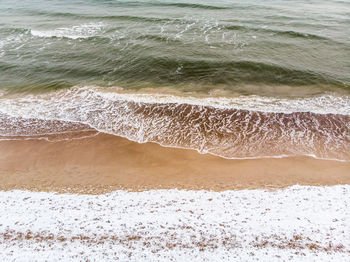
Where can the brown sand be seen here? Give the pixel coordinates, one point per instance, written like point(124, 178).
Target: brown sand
point(104, 163)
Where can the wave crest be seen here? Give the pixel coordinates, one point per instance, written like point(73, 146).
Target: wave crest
point(74, 32)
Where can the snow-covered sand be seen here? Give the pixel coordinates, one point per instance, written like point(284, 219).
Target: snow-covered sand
point(299, 223)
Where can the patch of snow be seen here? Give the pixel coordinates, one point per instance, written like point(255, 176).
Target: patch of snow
point(298, 223)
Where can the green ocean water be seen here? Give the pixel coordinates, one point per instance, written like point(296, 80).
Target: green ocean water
point(268, 48)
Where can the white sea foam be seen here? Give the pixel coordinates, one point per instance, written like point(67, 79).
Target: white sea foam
point(242, 127)
point(73, 32)
point(12, 41)
point(321, 104)
point(2, 44)
point(298, 223)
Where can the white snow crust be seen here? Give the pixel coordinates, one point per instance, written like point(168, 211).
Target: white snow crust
point(299, 223)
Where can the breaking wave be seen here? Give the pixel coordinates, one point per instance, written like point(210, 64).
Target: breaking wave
point(236, 127)
point(74, 32)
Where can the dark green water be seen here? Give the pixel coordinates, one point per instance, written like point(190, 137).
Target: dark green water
point(189, 45)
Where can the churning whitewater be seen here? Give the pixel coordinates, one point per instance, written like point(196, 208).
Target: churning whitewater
point(235, 127)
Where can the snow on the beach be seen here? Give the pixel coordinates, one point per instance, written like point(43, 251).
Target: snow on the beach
point(298, 223)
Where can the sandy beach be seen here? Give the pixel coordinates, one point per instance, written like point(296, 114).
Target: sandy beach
point(103, 163)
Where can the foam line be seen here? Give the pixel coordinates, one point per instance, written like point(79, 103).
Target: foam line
point(242, 127)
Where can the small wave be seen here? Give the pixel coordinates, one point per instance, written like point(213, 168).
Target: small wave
point(106, 17)
point(21, 128)
point(190, 5)
point(288, 33)
point(91, 29)
point(165, 70)
point(138, 18)
point(238, 127)
point(14, 30)
point(182, 70)
point(74, 32)
point(158, 38)
point(295, 34)
point(14, 126)
point(14, 35)
point(165, 4)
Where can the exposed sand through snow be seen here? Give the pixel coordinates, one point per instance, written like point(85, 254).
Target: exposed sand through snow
point(297, 223)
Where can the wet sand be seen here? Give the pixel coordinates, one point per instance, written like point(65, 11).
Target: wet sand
point(104, 163)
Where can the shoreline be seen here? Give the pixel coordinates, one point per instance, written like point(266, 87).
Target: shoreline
point(103, 163)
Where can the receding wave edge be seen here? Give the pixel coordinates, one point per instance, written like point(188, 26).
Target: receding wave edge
point(241, 127)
